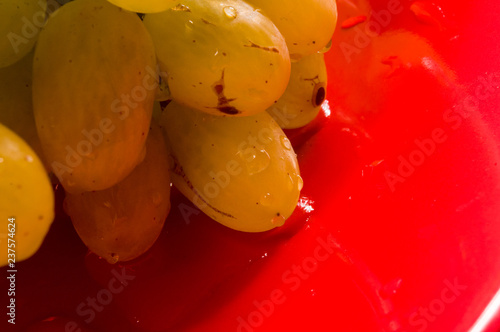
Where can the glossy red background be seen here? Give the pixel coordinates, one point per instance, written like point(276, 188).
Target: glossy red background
point(417, 252)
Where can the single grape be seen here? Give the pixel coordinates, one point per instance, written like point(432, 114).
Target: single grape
point(20, 23)
point(221, 56)
point(122, 222)
point(307, 25)
point(94, 82)
point(27, 198)
point(145, 6)
point(304, 95)
point(240, 171)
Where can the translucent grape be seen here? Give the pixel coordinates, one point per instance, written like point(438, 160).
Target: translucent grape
point(20, 23)
point(122, 222)
point(221, 57)
point(27, 197)
point(235, 169)
point(307, 25)
point(304, 95)
point(94, 82)
point(145, 6)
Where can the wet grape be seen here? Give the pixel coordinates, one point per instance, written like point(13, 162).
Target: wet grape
point(221, 57)
point(238, 170)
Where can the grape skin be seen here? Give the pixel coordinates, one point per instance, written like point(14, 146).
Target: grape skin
point(20, 22)
point(145, 6)
point(15, 101)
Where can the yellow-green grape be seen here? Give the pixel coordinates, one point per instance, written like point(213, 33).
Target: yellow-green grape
point(145, 6)
point(20, 23)
point(307, 25)
point(221, 56)
point(304, 95)
point(240, 171)
point(122, 222)
point(27, 203)
point(94, 82)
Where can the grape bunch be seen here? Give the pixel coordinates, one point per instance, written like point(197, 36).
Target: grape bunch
point(81, 95)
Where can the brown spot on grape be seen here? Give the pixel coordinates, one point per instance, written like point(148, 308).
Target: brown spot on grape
point(319, 94)
point(207, 22)
point(264, 48)
point(222, 101)
point(177, 169)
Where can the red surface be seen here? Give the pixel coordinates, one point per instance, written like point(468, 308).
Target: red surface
point(399, 223)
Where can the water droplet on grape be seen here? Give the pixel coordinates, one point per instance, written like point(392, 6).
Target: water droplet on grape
point(259, 161)
point(113, 258)
point(230, 12)
point(300, 182)
point(266, 200)
point(28, 158)
point(278, 221)
point(285, 143)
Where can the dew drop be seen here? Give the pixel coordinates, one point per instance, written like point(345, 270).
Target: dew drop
point(278, 221)
point(259, 161)
point(230, 12)
point(285, 143)
point(113, 258)
point(107, 204)
point(300, 182)
point(28, 158)
point(266, 200)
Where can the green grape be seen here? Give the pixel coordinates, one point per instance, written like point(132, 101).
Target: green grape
point(304, 95)
point(307, 25)
point(122, 222)
point(94, 84)
point(145, 6)
point(221, 56)
point(240, 171)
point(15, 101)
point(27, 197)
point(20, 22)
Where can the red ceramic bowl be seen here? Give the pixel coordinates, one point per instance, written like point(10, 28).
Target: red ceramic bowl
point(398, 226)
